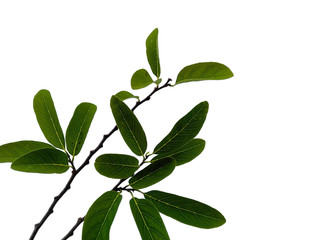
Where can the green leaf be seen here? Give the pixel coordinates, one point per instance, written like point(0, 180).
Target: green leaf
point(184, 130)
point(79, 126)
point(124, 95)
point(153, 52)
point(47, 118)
point(129, 126)
point(100, 216)
point(186, 210)
point(148, 220)
point(152, 174)
point(12, 151)
point(186, 153)
point(42, 161)
point(204, 71)
point(141, 79)
point(116, 165)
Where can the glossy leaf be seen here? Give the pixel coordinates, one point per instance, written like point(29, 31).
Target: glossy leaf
point(42, 161)
point(12, 151)
point(129, 126)
point(148, 220)
point(116, 165)
point(153, 52)
point(141, 79)
point(204, 71)
point(100, 216)
point(48, 119)
point(124, 95)
point(153, 173)
point(79, 126)
point(186, 210)
point(184, 130)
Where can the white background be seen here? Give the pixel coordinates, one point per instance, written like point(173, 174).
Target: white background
point(261, 165)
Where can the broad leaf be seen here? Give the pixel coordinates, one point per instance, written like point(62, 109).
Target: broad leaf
point(12, 151)
point(47, 118)
point(186, 210)
point(124, 95)
point(204, 71)
point(153, 52)
point(116, 165)
point(184, 130)
point(79, 126)
point(153, 173)
point(100, 216)
point(42, 161)
point(148, 220)
point(141, 79)
point(129, 126)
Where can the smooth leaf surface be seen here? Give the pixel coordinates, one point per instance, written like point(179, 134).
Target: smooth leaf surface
point(148, 220)
point(153, 173)
point(141, 79)
point(12, 151)
point(100, 216)
point(184, 130)
point(42, 161)
point(79, 126)
point(124, 95)
point(48, 119)
point(204, 71)
point(116, 165)
point(153, 52)
point(186, 210)
point(129, 126)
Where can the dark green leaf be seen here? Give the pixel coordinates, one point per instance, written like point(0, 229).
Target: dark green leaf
point(152, 174)
point(141, 79)
point(47, 118)
point(204, 71)
point(184, 130)
point(148, 220)
point(116, 165)
point(100, 216)
point(153, 52)
point(124, 95)
point(129, 126)
point(186, 210)
point(12, 151)
point(79, 126)
point(42, 161)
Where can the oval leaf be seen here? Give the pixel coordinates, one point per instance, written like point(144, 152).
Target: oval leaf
point(153, 52)
point(79, 126)
point(124, 95)
point(186, 210)
point(48, 119)
point(116, 165)
point(140, 79)
point(148, 220)
point(100, 216)
point(42, 161)
point(129, 126)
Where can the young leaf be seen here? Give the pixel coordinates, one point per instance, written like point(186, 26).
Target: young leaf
point(47, 118)
point(204, 71)
point(152, 174)
point(153, 52)
point(124, 95)
point(184, 130)
point(129, 126)
point(12, 151)
point(186, 153)
point(116, 165)
point(186, 210)
point(141, 79)
point(42, 161)
point(148, 220)
point(79, 126)
point(100, 216)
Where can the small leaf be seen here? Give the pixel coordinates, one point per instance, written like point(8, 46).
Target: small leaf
point(158, 81)
point(186, 210)
point(129, 126)
point(79, 126)
point(100, 216)
point(42, 161)
point(116, 165)
point(12, 151)
point(141, 79)
point(48, 119)
point(152, 174)
point(184, 130)
point(153, 52)
point(204, 71)
point(124, 95)
point(148, 220)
